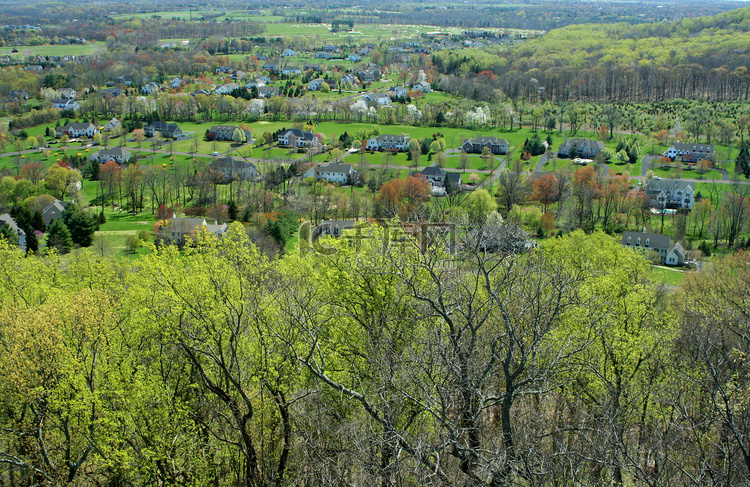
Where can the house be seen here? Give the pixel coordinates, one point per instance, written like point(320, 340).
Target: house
point(333, 172)
point(378, 100)
point(330, 48)
point(223, 132)
point(263, 79)
point(354, 58)
point(289, 70)
point(676, 255)
point(670, 193)
point(6, 219)
point(349, 79)
point(226, 89)
point(297, 138)
point(288, 52)
point(239, 75)
point(506, 238)
point(110, 93)
point(388, 142)
point(113, 124)
point(371, 73)
point(315, 84)
point(16, 94)
point(422, 86)
point(234, 169)
point(477, 145)
point(435, 175)
point(398, 91)
point(672, 254)
point(691, 152)
point(180, 229)
point(118, 154)
point(167, 130)
point(268, 91)
point(150, 88)
point(586, 148)
point(261, 57)
point(73, 129)
point(323, 55)
point(224, 70)
point(335, 228)
point(53, 211)
point(313, 67)
point(67, 93)
point(125, 79)
point(66, 105)
point(176, 83)
point(271, 67)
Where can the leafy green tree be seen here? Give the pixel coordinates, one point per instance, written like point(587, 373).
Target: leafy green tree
point(8, 234)
point(479, 203)
point(81, 225)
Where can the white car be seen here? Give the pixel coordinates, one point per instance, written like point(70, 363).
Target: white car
point(214, 153)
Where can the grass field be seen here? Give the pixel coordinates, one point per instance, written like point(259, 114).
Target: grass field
point(56, 50)
point(667, 276)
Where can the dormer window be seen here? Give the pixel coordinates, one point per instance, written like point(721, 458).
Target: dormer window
point(648, 242)
point(638, 242)
point(628, 240)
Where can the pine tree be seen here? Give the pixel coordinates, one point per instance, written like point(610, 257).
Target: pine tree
point(742, 162)
point(59, 237)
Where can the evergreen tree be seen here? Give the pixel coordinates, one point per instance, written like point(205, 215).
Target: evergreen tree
point(7, 233)
point(32, 242)
point(59, 237)
point(742, 162)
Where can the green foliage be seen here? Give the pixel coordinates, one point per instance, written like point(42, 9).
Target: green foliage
point(8, 234)
point(283, 226)
point(742, 161)
point(58, 237)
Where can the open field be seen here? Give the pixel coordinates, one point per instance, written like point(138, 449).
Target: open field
point(56, 50)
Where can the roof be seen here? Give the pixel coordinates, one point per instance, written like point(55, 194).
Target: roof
point(186, 225)
point(299, 134)
point(163, 126)
point(53, 211)
point(434, 171)
point(231, 163)
point(655, 240)
point(77, 126)
point(486, 140)
point(8, 220)
point(667, 185)
point(115, 151)
point(693, 147)
point(336, 167)
point(218, 128)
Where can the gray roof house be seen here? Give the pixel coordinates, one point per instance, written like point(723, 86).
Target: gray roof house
point(691, 152)
point(6, 219)
point(234, 169)
point(388, 142)
point(335, 228)
point(477, 145)
point(334, 172)
point(118, 154)
point(297, 138)
point(223, 132)
point(75, 129)
point(670, 193)
point(180, 229)
point(53, 211)
point(671, 254)
point(167, 130)
point(588, 148)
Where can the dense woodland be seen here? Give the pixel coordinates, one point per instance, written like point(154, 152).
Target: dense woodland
point(381, 359)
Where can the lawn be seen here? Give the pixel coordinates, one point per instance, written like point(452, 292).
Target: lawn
point(667, 276)
point(55, 50)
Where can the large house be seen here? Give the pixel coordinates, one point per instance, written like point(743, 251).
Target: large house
point(670, 193)
point(113, 124)
point(671, 254)
point(53, 211)
point(439, 178)
point(587, 148)
point(226, 89)
point(477, 145)
point(117, 154)
point(234, 169)
point(223, 132)
point(377, 100)
point(180, 229)
point(335, 228)
point(691, 152)
point(74, 129)
point(388, 142)
point(297, 138)
point(334, 172)
point(167, 130)
point(65, 104)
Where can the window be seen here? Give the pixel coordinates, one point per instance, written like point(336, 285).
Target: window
point(628, 240)
point(648, 242)
point(638, 242)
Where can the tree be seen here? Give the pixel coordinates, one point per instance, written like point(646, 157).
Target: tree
point(81, 225)
point(58, 237)
point(742, 161)
point(479, 203)
point(544, 190)
point(463, 160)
point(511, 188)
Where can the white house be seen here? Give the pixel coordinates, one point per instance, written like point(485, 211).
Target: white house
point(378, 99)
point(66, 105)
point(334, 172)
point(388, 142)
point(691, 152)
point(226, 89)
point(74, 129)
point(298, 138)
point(670, 193)
point(117, 154)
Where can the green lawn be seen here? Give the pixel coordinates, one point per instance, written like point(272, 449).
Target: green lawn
point(56, 50)
point(667, 276)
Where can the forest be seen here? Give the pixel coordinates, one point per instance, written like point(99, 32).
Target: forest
point(397, 356)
